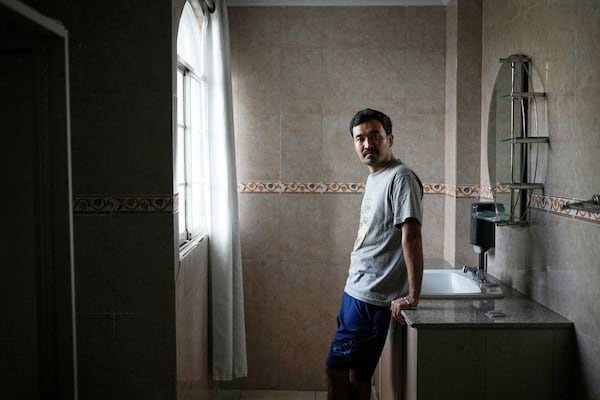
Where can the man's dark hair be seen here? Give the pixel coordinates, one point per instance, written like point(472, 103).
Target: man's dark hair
point(367, 115)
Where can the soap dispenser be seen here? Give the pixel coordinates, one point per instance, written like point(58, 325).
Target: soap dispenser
point(483, 233)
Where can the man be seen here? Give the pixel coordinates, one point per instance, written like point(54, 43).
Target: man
point(386, 264)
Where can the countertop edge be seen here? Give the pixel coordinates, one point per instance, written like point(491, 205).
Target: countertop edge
point(516, 311)
point(492, 325)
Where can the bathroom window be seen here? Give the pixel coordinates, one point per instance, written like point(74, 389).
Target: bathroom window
point(191, 147)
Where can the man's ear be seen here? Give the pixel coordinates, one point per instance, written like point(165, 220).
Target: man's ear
point(390, 139)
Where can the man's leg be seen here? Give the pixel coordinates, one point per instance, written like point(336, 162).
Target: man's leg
point(344, 385)
point(361, 389)
point(338, 384)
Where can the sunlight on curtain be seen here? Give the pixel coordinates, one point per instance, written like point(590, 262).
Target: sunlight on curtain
point(227, 297)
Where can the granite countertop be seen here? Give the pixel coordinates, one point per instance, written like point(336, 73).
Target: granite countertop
point(512, 311)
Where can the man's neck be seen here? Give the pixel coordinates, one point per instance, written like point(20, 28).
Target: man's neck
point(382, 166)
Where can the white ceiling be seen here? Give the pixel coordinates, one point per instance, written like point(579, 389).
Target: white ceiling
point(254, 3)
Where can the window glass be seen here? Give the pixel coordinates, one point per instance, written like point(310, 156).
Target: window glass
point(189, 38)
point(191, 152)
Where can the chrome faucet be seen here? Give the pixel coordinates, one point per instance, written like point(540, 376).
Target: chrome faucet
point(478, 274)
point(472, 270)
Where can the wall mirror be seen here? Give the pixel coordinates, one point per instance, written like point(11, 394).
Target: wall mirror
point(513, 131)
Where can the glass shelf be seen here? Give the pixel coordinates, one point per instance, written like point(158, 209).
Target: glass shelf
point(523, 185)
point(500, 218)
point(590, 206)
point(527, 95)
point(516, 58)
point(493, 216)
point(527, 139)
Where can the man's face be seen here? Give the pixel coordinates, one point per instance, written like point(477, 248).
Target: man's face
point(372, 144)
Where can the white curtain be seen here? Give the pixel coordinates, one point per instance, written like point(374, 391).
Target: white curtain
point(226, 292)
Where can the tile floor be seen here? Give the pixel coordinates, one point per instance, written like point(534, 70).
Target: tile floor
point(269, 395)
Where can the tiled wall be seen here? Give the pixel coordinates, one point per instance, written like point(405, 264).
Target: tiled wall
point(191, 288)
point(120, 85)
point(556, 259)
point(462, 120)
point(299, 74)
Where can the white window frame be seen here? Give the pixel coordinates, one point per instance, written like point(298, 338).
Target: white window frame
point(191, 151)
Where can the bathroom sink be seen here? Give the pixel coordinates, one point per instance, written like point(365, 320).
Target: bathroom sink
point(455, 284)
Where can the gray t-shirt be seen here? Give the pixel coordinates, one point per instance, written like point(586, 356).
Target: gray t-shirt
point(377, 273)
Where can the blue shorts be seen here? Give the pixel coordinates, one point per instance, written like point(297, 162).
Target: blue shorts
point(360, 337)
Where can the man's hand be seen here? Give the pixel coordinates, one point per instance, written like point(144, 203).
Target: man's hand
point(402, 303)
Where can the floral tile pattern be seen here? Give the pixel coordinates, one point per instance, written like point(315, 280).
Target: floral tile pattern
point(554, 205)
point(153, 204)
point(106, 204)
point(540, 202)
point(298, 187)
point(459, 191)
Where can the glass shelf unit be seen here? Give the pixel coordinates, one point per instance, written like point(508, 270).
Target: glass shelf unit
point(522, 101)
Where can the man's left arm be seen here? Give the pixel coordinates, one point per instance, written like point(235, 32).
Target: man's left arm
point(412, 247)
point(413, 257)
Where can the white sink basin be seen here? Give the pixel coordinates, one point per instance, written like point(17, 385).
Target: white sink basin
point(455, 284)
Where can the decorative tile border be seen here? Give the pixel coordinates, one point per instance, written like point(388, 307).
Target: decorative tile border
point(457, 191)
point(487, 192)
point(537, 201)
point(298, 187)
point(434, 188)
point(462, 191)
point(168, 204)
point(129, 204)
point(554, 205)
point(346, 187)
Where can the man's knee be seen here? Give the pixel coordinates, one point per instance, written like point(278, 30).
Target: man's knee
point(356, 380)
point(338, 384)
point(361, 386)
point(338, 375)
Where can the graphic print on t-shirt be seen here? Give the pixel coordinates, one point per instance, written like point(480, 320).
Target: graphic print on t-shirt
point(365, 220)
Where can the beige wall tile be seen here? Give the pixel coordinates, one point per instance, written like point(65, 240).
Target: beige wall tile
point(255, 26)
point(259, 226)
point(339, 218)
point(421, 146)
point(259, 76)
point(340, 27)
point(339, 160)
point(301, 325)
point(386, 85)
point(343, 79)
point(258, 146)
point(426, 27)
point(390, 28)
point(432, 231)
point(301, 27)
point(301, 144)
point(301, 87)
point(300, 230)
